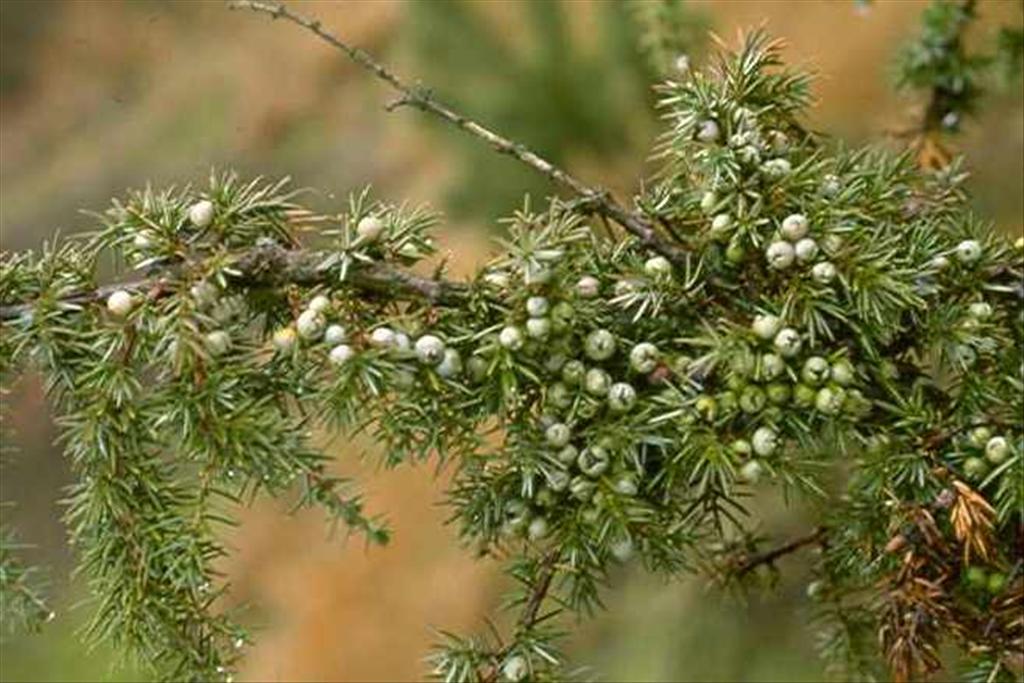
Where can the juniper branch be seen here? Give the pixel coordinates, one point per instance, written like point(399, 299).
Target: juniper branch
point(274, 265)
point(769, 557)
point(599, 200)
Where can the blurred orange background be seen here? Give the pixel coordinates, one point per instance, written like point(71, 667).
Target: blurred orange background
point(97, 97)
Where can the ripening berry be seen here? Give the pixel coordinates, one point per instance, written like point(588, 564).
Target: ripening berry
point(382, 337)
point(657, 266)
point(621, 397)
point(597, 382)
point(559, 395)
point(497, 278)
point(558, 435)
point(204, 293)
point(780, 255)
point(284, 339)
point(477, 367)
point(558, 480)
point(538, 529)
point(803, 396)
point(341, 354)
point(764, 441)
point(708, 202)
point(429, 349)
point(120, 303)
point(708, 131)
point(779, 393)
point(320, 303)
point(752, 400)
point(588, 287)
point(568, 455)
point(573, 372)
point(772, 365)
point(721, 226)
point(843, 373)
point(581, 488)
point(766, 326)
point(787, 342)
point(968, 251)
point(823, 272)
point(735, 252)
point(537, 306)
point(515, 669)
point(794, 227)
point(370, 228)
point(830, 185)
point(626, 485)
point(511, 337)
point(335, 334)
point(562, 317)
point(815, 371)
point(310, 324)
point(643, 357)
point(980, 310)
point(751, 472)
point(975, 468)
point(622, 550)
point(536, 274)
point(593, 461)
point(450, 365)
point(996, 450)
point(1019, 244)
point(200, 214)
point(996, 583)
point(538, 328)
point(600, 345)
point(829, 400)
point(218, 342)
point(777, 168)
point(741, 447)
point(979, 436)
point(806, 249)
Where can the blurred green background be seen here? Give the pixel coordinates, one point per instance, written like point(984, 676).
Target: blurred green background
point(96, 97)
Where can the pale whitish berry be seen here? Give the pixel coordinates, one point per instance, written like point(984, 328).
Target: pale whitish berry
point(559, 395)
point(370, 228)
point(751, 471)
point(721, 225)
point(218, 342)
point(787, 342)
point(558, 435)
point(538, 328)
point(310, 324)
point(204, 293)
point(600, 345)
point(968, 251)
point(643, 357)
point(777, 168)
point(536, 274)
point(558, 480)
point(940, 263)
point(401, 342)
point(780, 255)
point(980, 310)
point(830, 400)
point(766, 326)
point(538, 529)
point(823, 272)
point(284, 339)
point(335, 334)
point(537, 306)
point(764, 441)
point(682, 64)
point(1019, 244)
point(772, 366)
point(622, 550)
point(815, 371)
point(843, 373)
point(341, 354)
point(626, 287)
point(143, 240)
point(708, 131)
point(708, 202)
point(588, 287)
point(621, 397)
point(429, 349)
point(594, 461)
point(753, 399)
point(120, 303)
point(572, 372)
point(996, 450)
point(320, 304)
point(451, 365)
point(497, 279)
point(382, 337)
point(597, 382)
point(511, 337)
point(830, 185)
point(657, 266)
point(794, 227)
point(515, 669)
point(568, 455)
point(806, 249)
point(200, 214)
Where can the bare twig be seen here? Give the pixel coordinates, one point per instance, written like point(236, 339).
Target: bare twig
point(274, 265)
point(769, 557)
point(597, 199)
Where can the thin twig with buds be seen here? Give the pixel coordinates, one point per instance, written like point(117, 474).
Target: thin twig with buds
point(597, 199)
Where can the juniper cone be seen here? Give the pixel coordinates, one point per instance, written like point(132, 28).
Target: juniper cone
point(686, 369)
